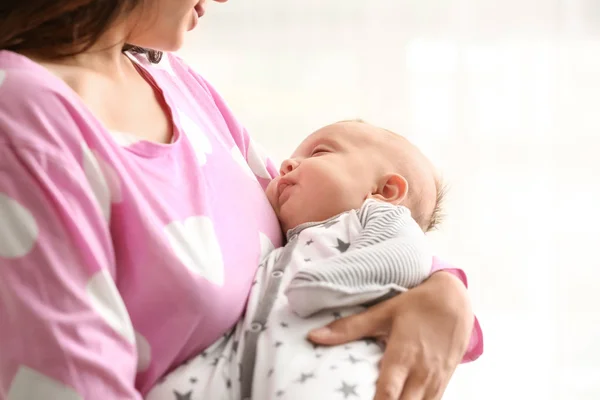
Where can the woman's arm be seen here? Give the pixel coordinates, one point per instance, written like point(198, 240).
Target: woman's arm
point(64, 330)
point(427, 331)
point(475, 347)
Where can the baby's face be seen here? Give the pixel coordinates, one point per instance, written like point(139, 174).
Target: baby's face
point(341, 165)
point(332, 171)
point(329, 173)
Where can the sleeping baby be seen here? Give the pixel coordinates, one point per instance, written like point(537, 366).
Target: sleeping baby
point(355, 201)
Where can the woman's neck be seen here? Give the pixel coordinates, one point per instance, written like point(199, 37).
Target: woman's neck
point(104, 57)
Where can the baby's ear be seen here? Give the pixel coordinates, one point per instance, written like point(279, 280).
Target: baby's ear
point(392, 188)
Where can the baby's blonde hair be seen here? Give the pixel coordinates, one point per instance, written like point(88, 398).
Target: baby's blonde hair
point(433, 221)
point(428, 221)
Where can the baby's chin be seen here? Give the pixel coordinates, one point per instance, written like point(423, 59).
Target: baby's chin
point(287, 223)
point(288, 219)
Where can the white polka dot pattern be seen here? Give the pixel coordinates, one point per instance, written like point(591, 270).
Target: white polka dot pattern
point(236, 154)
point(125, 139)
point(195, 243)
point(197, 138)
point(257, 160)
point(18, 229)
point(112, 180)
point(266, 246)
point(107, 302)
point(144, 352)
point(97, 180)
point(2, 76)
point(28, 384)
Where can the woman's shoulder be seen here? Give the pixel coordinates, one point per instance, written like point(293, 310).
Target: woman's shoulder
point(37, 108)
point(25, 82)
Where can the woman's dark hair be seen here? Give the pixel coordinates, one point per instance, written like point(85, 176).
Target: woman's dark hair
point(61, 28)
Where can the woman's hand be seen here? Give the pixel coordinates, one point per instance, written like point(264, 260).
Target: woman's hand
point(427, 331)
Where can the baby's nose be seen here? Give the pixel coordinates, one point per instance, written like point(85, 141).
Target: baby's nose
point(288, 166)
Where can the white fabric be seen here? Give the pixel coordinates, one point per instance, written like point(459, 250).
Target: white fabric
point(267, 355)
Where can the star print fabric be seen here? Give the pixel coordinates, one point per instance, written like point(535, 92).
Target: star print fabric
point(391, 255)
point(354, 258)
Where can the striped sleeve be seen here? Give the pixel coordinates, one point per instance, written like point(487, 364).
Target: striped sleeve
point(391, 255)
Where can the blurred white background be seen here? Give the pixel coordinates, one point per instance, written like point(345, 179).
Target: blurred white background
point(504, 95)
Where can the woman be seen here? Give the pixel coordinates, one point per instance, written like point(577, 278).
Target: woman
point(131, 224)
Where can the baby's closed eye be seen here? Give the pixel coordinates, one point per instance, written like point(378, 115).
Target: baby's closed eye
point(319, 151)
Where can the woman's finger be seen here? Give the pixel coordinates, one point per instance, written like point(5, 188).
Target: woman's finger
point(436, 387)
point(397, 364)
point(390, 384)
point(343, 330)
point(415, 388)
point(373, 322)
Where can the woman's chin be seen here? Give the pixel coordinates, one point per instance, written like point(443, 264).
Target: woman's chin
point(194, 21)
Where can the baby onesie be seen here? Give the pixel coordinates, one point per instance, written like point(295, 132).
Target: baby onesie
point(327, 270)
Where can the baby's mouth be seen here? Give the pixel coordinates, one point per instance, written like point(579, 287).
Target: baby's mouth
point(283, 191)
